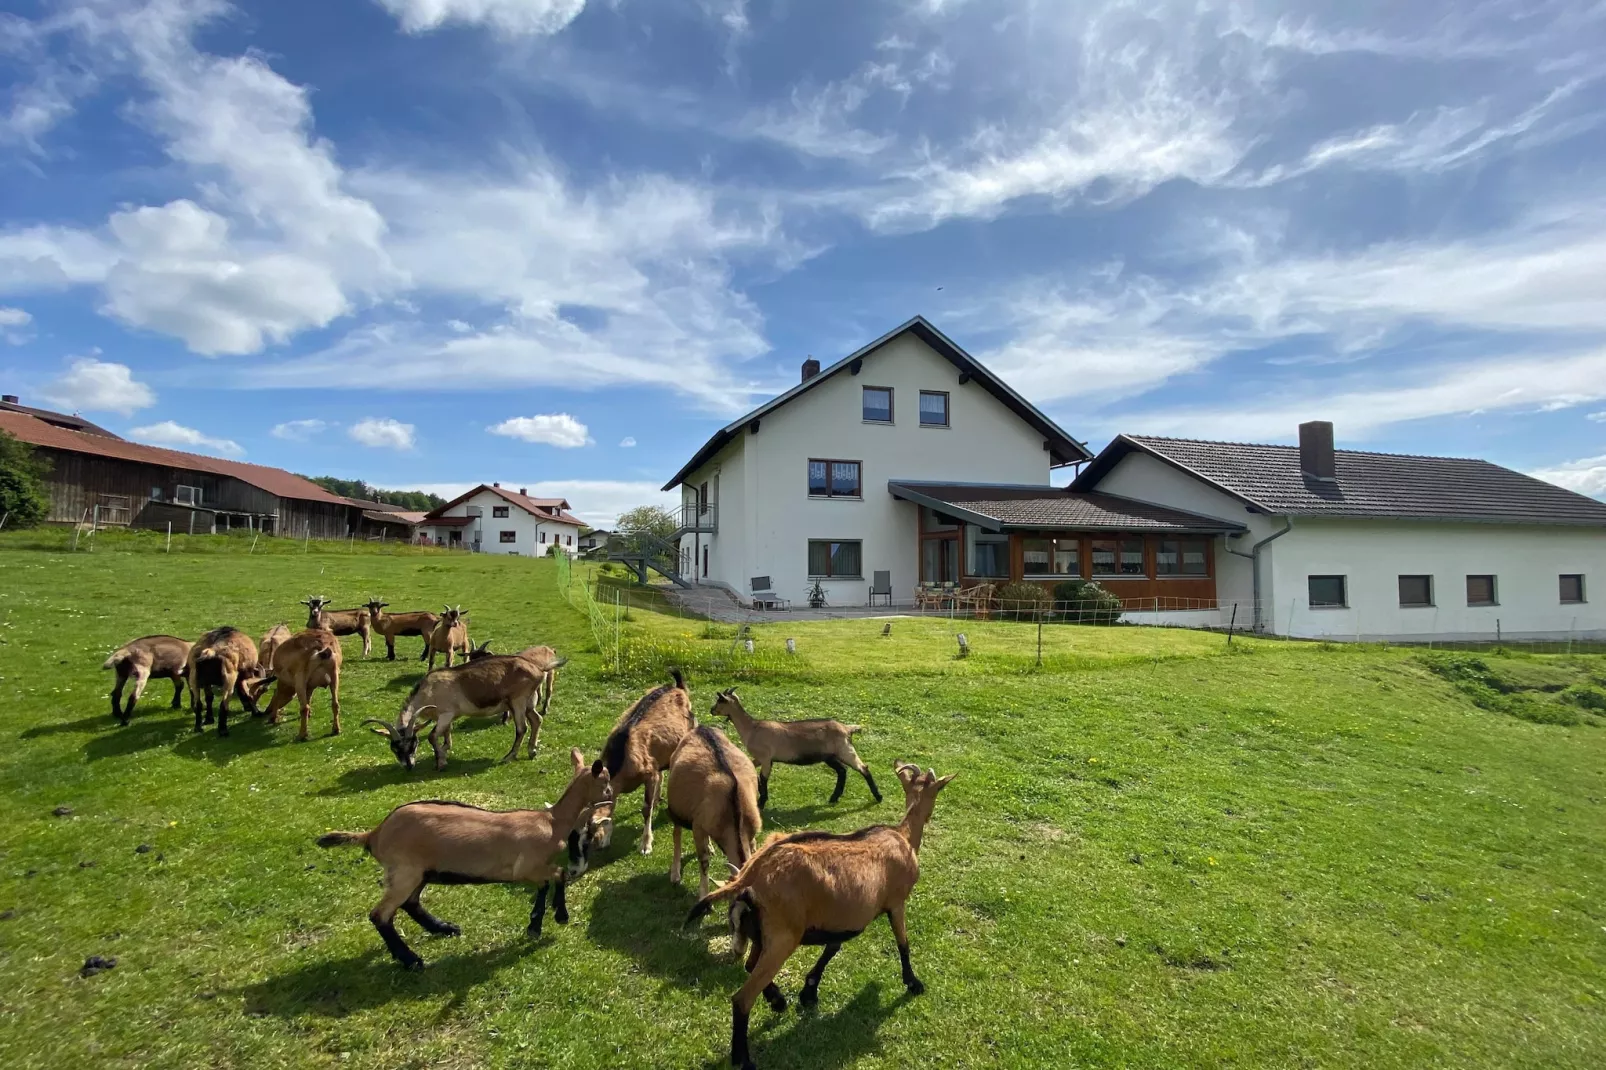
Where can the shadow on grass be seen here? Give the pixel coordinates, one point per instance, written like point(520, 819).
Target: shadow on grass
point(642, 917)
point(405, 682)
point(336, 988)
point(831, 1039)
point(246, 734)
point(385, 773)
point(149, 728)
point(788, 818)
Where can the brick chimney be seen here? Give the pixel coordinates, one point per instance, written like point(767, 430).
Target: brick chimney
point(811, 368)
point(524, 491)
point(496, 484)
point(1316, 451)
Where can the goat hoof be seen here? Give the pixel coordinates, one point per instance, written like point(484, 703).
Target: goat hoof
point(561, 919)
point(223, 733)
point(448, 929)
point(915, 988)
point(413, 964)
point(778, 1004)
point(533, 932)
point(809, 998)
point(303, 739)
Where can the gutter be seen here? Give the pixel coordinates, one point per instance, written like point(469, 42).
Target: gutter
point(1253, 557)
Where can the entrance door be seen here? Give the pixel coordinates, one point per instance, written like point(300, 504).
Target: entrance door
point(939, 560)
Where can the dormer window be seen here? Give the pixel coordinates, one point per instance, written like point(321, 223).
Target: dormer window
point(878, 404)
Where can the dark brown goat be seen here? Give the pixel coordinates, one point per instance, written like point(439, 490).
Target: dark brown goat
point(223, 660)
point(391, 625)
point(713, 790)
point(643, 743)
point(153, 657)
point(340, 621)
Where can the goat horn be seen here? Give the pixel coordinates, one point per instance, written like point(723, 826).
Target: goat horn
point(383, 729)
point(734, 868)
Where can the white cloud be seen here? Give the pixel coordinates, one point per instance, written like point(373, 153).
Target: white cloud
point(14, 317)
point(382, 433)
point(554, 429)
point(169, 433)
point(298, 430)
point(1586, 476)
point(91, 385)
point(514, 17)
point(1597, 417)
point(596, 501)
point(627, 443)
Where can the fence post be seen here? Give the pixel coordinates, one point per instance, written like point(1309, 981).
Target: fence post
point(306, 543)
point(1497, 638)
point(1232, 623)
point(254, 539)
point(1039, 640)
point(4, 518)
point(169, 536)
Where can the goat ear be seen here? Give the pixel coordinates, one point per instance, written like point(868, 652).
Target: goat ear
point(597, 767)
point(942, 782)
point(578, 759)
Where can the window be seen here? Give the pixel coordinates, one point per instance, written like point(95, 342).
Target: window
point(499, 512)
point(1416, 591)
point(986, 553)
point(702, 498)
point(1181, 557)
point(933, 408)
point(834, 479)
point(543, 536)
point(156, 494)
point(1481, 591)
point(931, 520)
point(835, 560)
point(1037, 557)
point(878, 404)
point(568, 540)
point(1132, 558)
point(510, 536)
point(1067, 557)
point(1328, 592)
point(1572, 588)
point(186, 495)
point(1104, 558)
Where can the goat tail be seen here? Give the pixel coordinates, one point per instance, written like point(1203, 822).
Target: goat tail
point(116, 658)
point(706, 904)
point(343, 839)
point(680, 680)
point(853, 729)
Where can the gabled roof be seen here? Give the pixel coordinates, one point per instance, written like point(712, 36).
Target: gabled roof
point(1009, 507)
point(393, 516)
point(275, 481)
point(536, 507)
point(1268, 479)
point(1063, 449)
point(59, 419)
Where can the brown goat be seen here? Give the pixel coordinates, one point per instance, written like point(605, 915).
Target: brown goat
point(340, 621)
point(424, 843)
point(391, 625)
point(303, 663)
point(643, 743)
point(822, 888)
point(222, 660)
point(713, 790)
point(542, 655)
point(275, 636)
point(154, 657)
point(809, 742)
point(449, 637)
point(595, 835)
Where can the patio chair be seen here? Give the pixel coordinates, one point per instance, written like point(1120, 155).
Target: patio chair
point(764, 597)
point(977, 599)
point(881, 587)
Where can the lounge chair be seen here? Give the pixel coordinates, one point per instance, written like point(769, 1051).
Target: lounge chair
point(764, 597)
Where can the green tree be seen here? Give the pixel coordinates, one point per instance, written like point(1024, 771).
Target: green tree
point(23, 495)
point(652, 519)
point(416, 500)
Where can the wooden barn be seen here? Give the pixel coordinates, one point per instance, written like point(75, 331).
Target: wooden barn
point(97, 477)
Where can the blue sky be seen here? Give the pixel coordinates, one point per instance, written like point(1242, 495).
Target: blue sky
point(556, 242)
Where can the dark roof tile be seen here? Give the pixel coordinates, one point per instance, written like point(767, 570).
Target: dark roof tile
point(1053, 508)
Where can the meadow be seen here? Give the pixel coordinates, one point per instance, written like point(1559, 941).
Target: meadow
point(1160, 851)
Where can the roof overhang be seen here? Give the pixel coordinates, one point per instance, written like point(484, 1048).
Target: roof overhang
point(1175, 521)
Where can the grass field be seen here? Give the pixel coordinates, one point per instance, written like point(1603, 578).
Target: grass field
point(1158, 853)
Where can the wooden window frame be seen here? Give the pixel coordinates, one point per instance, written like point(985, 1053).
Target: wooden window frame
point(858, 496)
point(1183, 541)
point(499, 512)
point(195, 499)
point(1583, 591)
point(827, 575)
point(1494, 589)
point(892, 415)
point(1400, 581)
point(1343, 580)
point(505, 536)
point(947, 409)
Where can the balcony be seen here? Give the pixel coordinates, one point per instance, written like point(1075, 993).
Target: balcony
point(693, 518)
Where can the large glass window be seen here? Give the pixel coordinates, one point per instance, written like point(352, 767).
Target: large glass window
point(1416, 591)
point(1180, 557)
point(1037, 556)
point(830, 559)
point(986, 553)
point(878, 404)
point(834, 479)
point(1572, 587)
point(1067, 557)
point(939, 560)
point(1132, 558)
point(1104, 551)
point(933, 408)
point(1481, 591)
point(1327, 592)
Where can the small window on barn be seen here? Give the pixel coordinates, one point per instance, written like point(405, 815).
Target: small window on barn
point(510, 536)
point(1416, 591)
point(1328, 592)
point(1481, 591)
point(499, 511)
point(1572, 588)
point(187, 495)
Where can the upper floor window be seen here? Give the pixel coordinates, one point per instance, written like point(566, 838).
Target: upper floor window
point(834, 479)
point(878, 404)
point(1572, 587)
point(499, 511)
point(1481, 591)
point(1328, 592)
point(933, 408)
point(510, 536)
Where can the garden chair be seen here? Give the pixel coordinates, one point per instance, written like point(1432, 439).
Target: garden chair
point(764, 596)
point(881, 587)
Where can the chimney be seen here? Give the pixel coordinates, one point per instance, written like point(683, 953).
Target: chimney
point(11, 399)
point(811, 368)
point(496, 484)
point(1316, 451)
point(524, 492)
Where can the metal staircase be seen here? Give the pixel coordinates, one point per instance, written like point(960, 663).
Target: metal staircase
point(641, 550)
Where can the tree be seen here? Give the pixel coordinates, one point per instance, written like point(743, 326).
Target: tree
point(650, 519)
point(417, 500)
point(23, 494)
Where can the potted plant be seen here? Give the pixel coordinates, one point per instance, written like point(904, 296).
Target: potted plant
point(816, 594)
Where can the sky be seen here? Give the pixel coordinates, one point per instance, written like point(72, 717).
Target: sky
point(557, 243)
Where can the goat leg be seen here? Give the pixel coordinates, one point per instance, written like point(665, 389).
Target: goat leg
point(810, 996)
point(864, 771)
point(841, 771)
point(763, 785)
point(178, 692)
point(910, 981)
point(537, 913)
point(560, 900)
point(427, 921)
point(117, 697)
point(760, 979)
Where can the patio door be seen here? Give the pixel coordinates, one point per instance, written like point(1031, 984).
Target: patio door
point(939, 559)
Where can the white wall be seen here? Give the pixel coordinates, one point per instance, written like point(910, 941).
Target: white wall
point(1527, 560)
point(767, 517)
point(527, 529)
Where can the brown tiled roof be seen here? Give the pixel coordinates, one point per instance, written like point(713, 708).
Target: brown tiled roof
point(393, 516)
point(1367, 485)
point(536, 507)
point(59, 419)
point(275, 481)
point(1052, 508)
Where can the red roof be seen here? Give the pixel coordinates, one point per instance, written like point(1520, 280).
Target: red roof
point(536, 507)
point(275, 481)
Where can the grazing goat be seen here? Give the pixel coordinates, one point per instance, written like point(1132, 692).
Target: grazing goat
point(223, 660)
point(423, 843)
point(340, 621)
point(713, 790)
point(822, 888)
point(795, 743)
point(303, 663)
point(585, 842)
point(270, 642)
point(154, 657)
point(449, 637)
point(643, 742)
point(391, 625)
point(542, 655)
point(485, 686)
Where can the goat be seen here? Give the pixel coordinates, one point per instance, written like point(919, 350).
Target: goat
point(541, 654)
point(390, 625)
point(643, 742)
point(585, 842)
point(224, 659)
point(340, 621)
point(439, 842)
point(487, 685)
point(795, 743)
point(275, 636)
point(153, 657)
point(821, 888)
point(450, 635)
point(713, 790)
point(303, 663)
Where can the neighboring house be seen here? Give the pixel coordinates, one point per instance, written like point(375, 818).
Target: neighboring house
point(489, 519)
point(1361, 545)
point(592, 540)
point(98, 477)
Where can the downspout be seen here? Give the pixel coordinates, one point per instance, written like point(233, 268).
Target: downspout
point(1253, 556)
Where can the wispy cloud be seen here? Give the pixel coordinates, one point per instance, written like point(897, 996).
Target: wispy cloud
point(299, 430)
point(553, 429)
point(91, 385)
point(1586, 475)
point(513, 17)
point(627, 443)
point(170, 433)
point(382, 433)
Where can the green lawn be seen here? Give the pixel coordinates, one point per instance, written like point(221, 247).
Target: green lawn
point(1158, 852)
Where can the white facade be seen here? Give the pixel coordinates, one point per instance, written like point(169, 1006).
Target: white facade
point(759, 483)
point(501, 527)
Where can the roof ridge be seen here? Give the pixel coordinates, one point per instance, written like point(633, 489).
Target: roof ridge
point(1295, 446)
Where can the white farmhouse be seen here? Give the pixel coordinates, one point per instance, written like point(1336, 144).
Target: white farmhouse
point(490, 519)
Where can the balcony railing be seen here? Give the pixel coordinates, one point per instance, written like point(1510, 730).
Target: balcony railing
point(693, 517)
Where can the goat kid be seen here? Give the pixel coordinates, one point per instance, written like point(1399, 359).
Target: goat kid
point(303, 663)
point(449, 637)
point(713, 790)
point(340, 621)
point(423, 843)
point(392, 625)
point(271, 642)
point(222, 661)
point(821, 888)
point(153, 657)
point(484, 686)
point(811, 742)
point(643, 742)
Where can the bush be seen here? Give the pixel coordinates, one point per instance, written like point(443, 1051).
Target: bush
point(1086, 602)
point(23, 497)
point(1021, 601)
